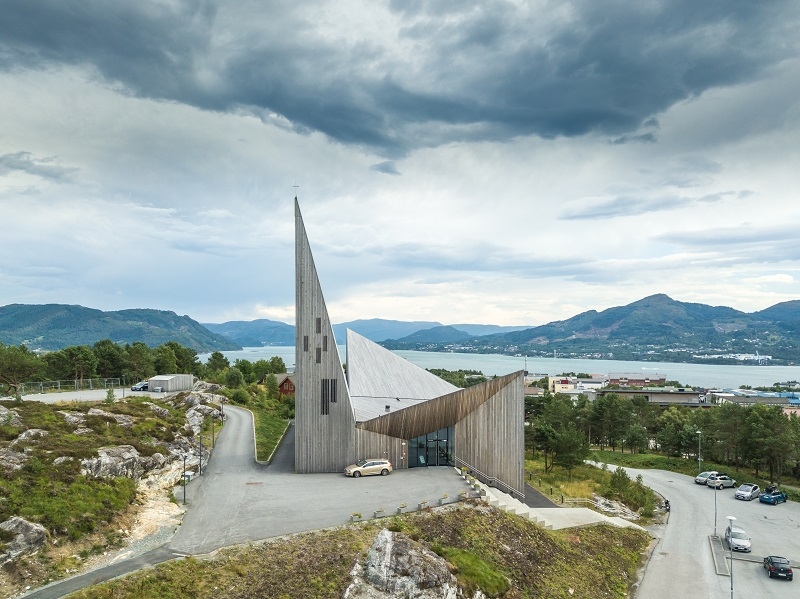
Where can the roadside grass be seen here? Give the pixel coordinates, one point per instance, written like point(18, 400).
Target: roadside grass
point(585, 481)
point(269, 430)
point(497, 553)
point(688, 466)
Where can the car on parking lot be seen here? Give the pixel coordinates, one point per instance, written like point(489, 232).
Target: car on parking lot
point(748, 492)
point(720, 481)
point(772, 495)
point(143, 386)
point(737, 539)
point(702, 478)
point(367, 467)
point(779, 567)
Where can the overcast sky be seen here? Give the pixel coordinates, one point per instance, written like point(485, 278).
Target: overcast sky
point(496, 162)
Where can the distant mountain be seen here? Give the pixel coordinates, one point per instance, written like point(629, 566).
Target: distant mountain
point(255, 333)
point(655, 328)
point(377, 329)
point(443, 334)
point(55, 326)
point(486, 329)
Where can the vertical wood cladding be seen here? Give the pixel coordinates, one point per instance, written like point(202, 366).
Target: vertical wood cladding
point(488, 420)
point(324, 424)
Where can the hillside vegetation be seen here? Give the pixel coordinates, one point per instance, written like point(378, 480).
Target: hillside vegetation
point(500, 554)
point(56, 326)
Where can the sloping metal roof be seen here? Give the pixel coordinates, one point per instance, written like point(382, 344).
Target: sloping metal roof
point(378, 377)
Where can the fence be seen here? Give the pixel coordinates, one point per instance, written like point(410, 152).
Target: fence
point(71, 385)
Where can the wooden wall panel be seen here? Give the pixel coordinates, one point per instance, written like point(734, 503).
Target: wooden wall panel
point(374, 445)
point(323, 443)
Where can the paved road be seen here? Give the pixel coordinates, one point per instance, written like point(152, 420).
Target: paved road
point(239, 500)
point(682, 563)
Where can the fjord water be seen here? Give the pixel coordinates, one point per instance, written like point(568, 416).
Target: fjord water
point(695, 375)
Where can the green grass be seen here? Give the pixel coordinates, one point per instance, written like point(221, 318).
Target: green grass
point(269, 430)
point(67, 503)
point(501, 554)
point(688, 466)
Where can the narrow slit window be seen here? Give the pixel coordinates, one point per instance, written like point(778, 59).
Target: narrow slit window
point(325, 398)
point(305, 342)
point(319, 356)
point(325, 343)
point(319, 325)
point(333, 390)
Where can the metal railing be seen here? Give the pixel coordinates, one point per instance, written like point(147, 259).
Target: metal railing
point(491, 481)
point(32, 387)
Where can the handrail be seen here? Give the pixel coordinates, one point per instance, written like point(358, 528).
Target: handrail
point(489, 479)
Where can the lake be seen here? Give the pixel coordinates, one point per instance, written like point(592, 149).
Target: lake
point(696, 375)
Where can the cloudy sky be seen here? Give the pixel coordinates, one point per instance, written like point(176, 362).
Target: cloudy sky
point(494, 162)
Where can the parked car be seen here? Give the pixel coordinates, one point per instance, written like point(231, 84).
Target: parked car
point(778, 566)
point(737, 539)
point(772, 495)
point(143, 386)
point(748, 492)
point(720, 481)
point(367, 467)
point(702, 478)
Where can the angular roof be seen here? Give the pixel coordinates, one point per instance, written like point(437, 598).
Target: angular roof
point(377, 377)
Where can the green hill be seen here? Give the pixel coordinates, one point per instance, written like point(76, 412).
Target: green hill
point(55, 326)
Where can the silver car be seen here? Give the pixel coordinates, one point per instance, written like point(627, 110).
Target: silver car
point(747, 492)
point(720, 481)
point(702, 478)
point(737, 539)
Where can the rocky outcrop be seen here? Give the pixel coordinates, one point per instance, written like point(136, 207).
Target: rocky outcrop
point(11, 460)
point(9, 417)
point(74, 418)
point(28, 538)
point(397, 566)
point(122, 460)
point(158, 410)
point(122, 419)
point(28, 435)
point(196, 414)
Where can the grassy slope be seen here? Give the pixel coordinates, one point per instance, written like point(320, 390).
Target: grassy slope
point(488, 545)
point(689, 467)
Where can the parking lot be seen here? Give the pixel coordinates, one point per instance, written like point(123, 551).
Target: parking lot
point(683, 563)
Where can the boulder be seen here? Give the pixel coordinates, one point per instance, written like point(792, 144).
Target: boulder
point(158, 410)
point(31, 433)
point(28, 538)
point(122, 419)
point(73, 418)
point(122, 460)
point(11, 460)
point(397, 566)
point(9, 417)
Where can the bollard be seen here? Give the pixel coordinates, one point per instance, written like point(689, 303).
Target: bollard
point(562, 499)
point(551, 490)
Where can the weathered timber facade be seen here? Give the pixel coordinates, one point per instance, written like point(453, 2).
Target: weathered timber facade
point(385, 402)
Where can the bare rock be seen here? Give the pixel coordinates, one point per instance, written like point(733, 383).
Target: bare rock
point(31, 433)
point(28, 538)
point(74, 418)
point(62, 460)
point(397, 566)
point(122, 419)
point(11, 460)
point(122, 460)
point(158, 410)
point(9, 417)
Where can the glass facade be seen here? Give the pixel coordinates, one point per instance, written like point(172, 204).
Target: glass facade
point(433, 449)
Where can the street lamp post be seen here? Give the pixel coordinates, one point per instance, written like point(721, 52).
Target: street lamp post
point(184, 479)
point(213, 440)
point(715, 508)
point(699, 458)
point(200, 464)
point(731, 520)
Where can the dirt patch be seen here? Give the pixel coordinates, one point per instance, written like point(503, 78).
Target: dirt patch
point(148, 523)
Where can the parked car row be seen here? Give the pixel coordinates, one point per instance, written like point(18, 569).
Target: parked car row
point(712, 478)
point(746, 492)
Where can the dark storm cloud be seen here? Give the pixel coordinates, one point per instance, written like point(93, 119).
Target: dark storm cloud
point(41, 167)
point(388, 168)
point(474, 70)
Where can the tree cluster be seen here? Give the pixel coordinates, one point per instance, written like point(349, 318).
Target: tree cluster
point(759, 437)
